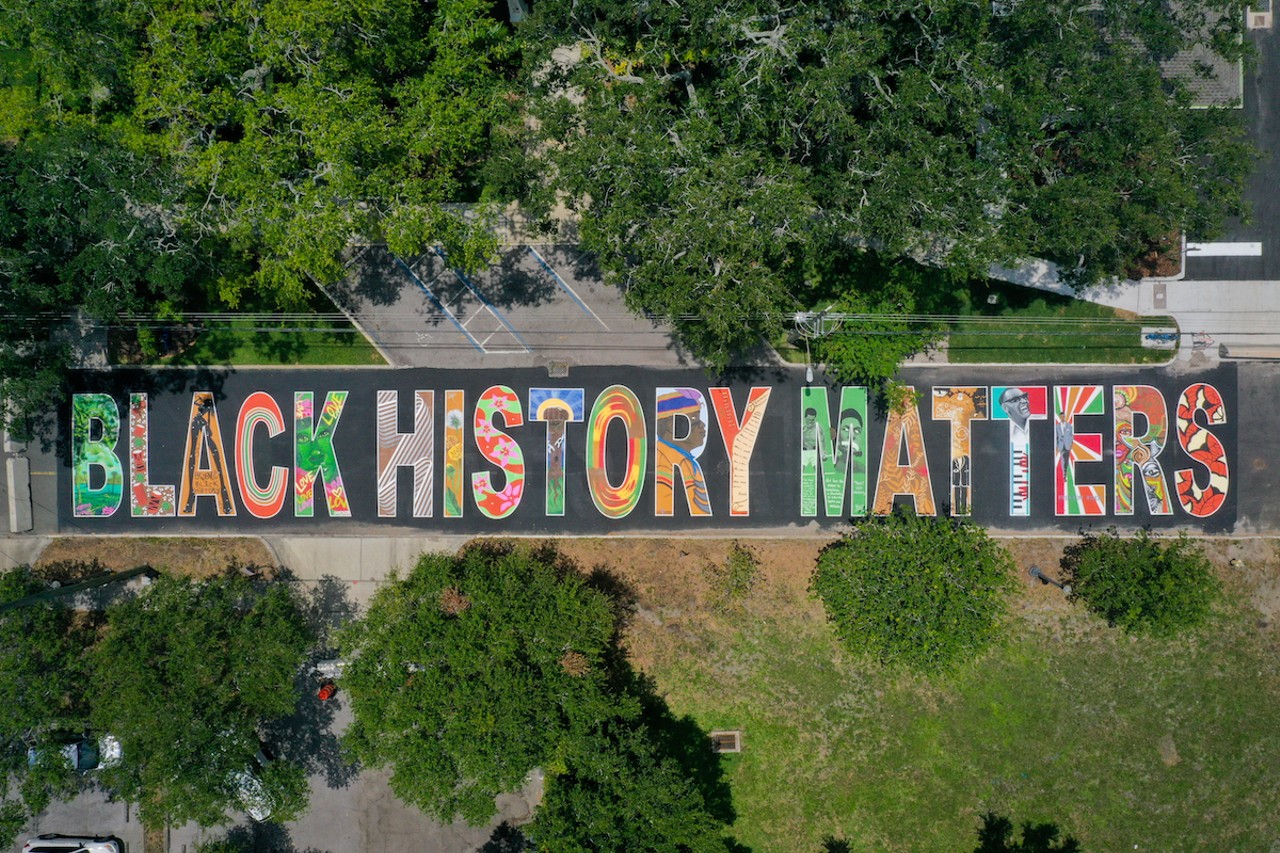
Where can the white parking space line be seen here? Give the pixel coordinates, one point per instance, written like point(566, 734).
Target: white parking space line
point(487, 305)
point(443, 308)
point(489, 325)
point(1224, 250)
point(564, 285)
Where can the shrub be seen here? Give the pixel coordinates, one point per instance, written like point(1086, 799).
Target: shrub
point(925, 593)
point(1143, 584)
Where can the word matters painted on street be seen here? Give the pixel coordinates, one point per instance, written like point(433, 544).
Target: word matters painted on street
point(1083, 450)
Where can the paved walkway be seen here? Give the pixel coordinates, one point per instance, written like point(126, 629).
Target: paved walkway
point(1242, 317)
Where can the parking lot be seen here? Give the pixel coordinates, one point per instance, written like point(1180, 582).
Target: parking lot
point(538, 304)
point(350, 809)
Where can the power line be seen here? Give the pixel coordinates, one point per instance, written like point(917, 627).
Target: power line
point(167, 321)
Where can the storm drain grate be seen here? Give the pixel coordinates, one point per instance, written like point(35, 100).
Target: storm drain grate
point(730, 741)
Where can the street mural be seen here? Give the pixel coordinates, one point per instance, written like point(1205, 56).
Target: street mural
point(635, 449)
point(833, 455)
point(1140, 452)
point(960, 407)
point(676, 465)
point(1020, 405)
point(557, 407)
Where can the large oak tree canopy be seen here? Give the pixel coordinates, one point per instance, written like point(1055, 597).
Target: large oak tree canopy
point(723, 154)
point(718, 151)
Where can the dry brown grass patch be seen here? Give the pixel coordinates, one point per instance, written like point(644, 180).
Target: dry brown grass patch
point(197, 557)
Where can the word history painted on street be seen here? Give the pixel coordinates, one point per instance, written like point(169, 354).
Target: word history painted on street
point(782, 453)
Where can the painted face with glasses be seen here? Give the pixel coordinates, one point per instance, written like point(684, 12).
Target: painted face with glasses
point(1016, 405)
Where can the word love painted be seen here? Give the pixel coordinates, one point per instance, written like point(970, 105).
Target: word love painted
point(811, 452)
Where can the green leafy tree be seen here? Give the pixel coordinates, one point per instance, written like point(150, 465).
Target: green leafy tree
point(308, 123)
point(880, 298)
point(83, 223)
point(718, 151)
point(925, 593)
point(1142, 583)
point(471, 671)
point(619, 792)
point(42, 674)
point(13, 817)
point(190, 669)
point(158, 153)
point(42, 688)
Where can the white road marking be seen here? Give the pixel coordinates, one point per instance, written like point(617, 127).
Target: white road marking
point(1224, 250)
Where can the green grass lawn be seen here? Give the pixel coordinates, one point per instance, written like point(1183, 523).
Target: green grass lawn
point(1026, 326)
point(249, 343)
point(1167, 745)
point(253, 342)
point(1032, 327)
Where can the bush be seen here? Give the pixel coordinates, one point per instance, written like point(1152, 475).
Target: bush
point(1142, 584)
point(925, 593)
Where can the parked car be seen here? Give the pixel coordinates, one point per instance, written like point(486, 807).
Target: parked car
point(83, 753)
point(252, 795)
point(72, 844)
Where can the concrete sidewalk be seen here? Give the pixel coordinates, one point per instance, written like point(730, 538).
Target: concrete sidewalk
point(1242, 317)
point(366, 562)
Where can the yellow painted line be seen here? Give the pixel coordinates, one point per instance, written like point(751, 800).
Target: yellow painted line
point(44, 473)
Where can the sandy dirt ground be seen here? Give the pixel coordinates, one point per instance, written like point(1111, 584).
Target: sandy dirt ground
point(194, 556)
point(673, 581)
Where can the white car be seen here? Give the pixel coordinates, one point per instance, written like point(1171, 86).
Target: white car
point(253, 797)
point(71, 844)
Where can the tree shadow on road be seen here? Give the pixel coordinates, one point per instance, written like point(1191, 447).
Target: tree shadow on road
point(516, 280)
point(306, 736)
point(256, 838)
point(120, 382)
point(372, 276)
point(505, 839)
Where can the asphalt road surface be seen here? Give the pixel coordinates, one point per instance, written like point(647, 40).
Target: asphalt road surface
point(652, 450)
